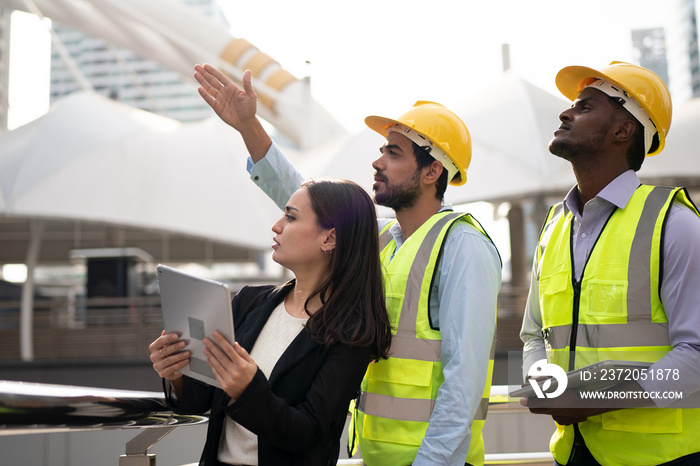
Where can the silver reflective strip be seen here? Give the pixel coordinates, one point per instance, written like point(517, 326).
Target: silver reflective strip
point(407, 346)
point(483, 410)
point(557, 337)
point(385, 237)
point(407, 409)
point(638, 279)
point(557, 208)
point(402, 409)
point(631, 334)
point(409, 310)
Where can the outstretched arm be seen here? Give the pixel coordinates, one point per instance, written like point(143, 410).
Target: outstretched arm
point(276, 176)
point(235, 106)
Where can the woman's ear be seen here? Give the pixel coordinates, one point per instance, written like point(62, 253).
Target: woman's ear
point(329, 241)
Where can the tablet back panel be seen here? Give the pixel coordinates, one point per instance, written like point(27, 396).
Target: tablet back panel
point(194, 307)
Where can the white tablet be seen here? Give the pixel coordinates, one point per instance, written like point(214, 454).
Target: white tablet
point(597, 376)
point(194, 307)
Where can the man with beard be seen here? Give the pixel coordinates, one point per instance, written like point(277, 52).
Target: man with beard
point(615, 277)
point(427, 403)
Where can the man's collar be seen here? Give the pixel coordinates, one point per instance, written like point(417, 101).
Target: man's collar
point(396, 232)
point(618, 192)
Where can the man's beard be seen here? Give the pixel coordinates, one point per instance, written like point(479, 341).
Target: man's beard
point(566, 149)
point(402, 195)
point(572, 150)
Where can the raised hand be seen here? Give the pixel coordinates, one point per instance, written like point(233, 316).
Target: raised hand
point(233, 105)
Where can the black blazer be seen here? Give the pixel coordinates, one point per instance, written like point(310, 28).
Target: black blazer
point(299, 414)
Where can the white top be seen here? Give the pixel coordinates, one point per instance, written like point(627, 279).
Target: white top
point(239, 445)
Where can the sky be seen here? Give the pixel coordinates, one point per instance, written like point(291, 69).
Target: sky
point(378, 57)
point(374, 56)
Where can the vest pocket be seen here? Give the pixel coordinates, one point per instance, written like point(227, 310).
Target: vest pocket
point(403, 378)
point(399, 378)
point(607, 299)
point(556, 290)
point(644, 420)
point(392, 431)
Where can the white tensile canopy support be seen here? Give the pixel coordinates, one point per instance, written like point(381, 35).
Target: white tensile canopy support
point(27, 309)
point(178, 36)
point(97, 162)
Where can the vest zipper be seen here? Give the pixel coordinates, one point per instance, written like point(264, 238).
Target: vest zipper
point(574, 324)
point(577, 288)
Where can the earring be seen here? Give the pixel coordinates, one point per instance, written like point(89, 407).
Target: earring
point(326, 251)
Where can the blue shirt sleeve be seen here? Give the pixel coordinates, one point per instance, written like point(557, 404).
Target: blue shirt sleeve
point(275, 175)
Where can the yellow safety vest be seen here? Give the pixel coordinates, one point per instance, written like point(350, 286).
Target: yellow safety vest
point(614, 312)
point(398, 394)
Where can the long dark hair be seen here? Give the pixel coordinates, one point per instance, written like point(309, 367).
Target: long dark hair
point(353, 311)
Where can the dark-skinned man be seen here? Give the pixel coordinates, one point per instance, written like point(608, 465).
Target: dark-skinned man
point(615, 277)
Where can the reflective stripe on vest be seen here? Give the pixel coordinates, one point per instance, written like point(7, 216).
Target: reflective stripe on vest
point(640, 331)
point(405, 344)
point(398, 394)
point(631, 243)
point(385, 235)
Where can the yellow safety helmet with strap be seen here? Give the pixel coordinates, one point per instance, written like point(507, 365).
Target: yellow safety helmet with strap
point(645, 87)
point(441, 126)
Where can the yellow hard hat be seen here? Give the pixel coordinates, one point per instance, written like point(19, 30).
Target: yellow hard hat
point(441, 126)
point(645, 87)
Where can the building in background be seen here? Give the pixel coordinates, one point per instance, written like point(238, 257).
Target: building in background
point(4, 66)
point(122, 75)
point(682, 50)
point(650, 49)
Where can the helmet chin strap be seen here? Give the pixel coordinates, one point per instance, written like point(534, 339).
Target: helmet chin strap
point(434, 151)
point(631, 105)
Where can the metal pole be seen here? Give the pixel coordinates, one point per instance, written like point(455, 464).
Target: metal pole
point(26, 323)
point(5, 26)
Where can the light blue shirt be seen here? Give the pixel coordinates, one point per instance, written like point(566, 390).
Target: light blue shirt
point(680, 290)
point(463, 304)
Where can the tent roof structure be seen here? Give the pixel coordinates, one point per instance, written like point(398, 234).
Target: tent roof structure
point(100, 174)
point(106, 175)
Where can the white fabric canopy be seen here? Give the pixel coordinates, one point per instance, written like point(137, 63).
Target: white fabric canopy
point(92, 159)
point(679, 162)
point(177, 36)
point(510, 126)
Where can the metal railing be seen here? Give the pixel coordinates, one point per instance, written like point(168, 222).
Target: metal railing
point(71, 328)
point(29, 408)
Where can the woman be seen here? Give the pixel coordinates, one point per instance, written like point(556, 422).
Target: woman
point(302, 348)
